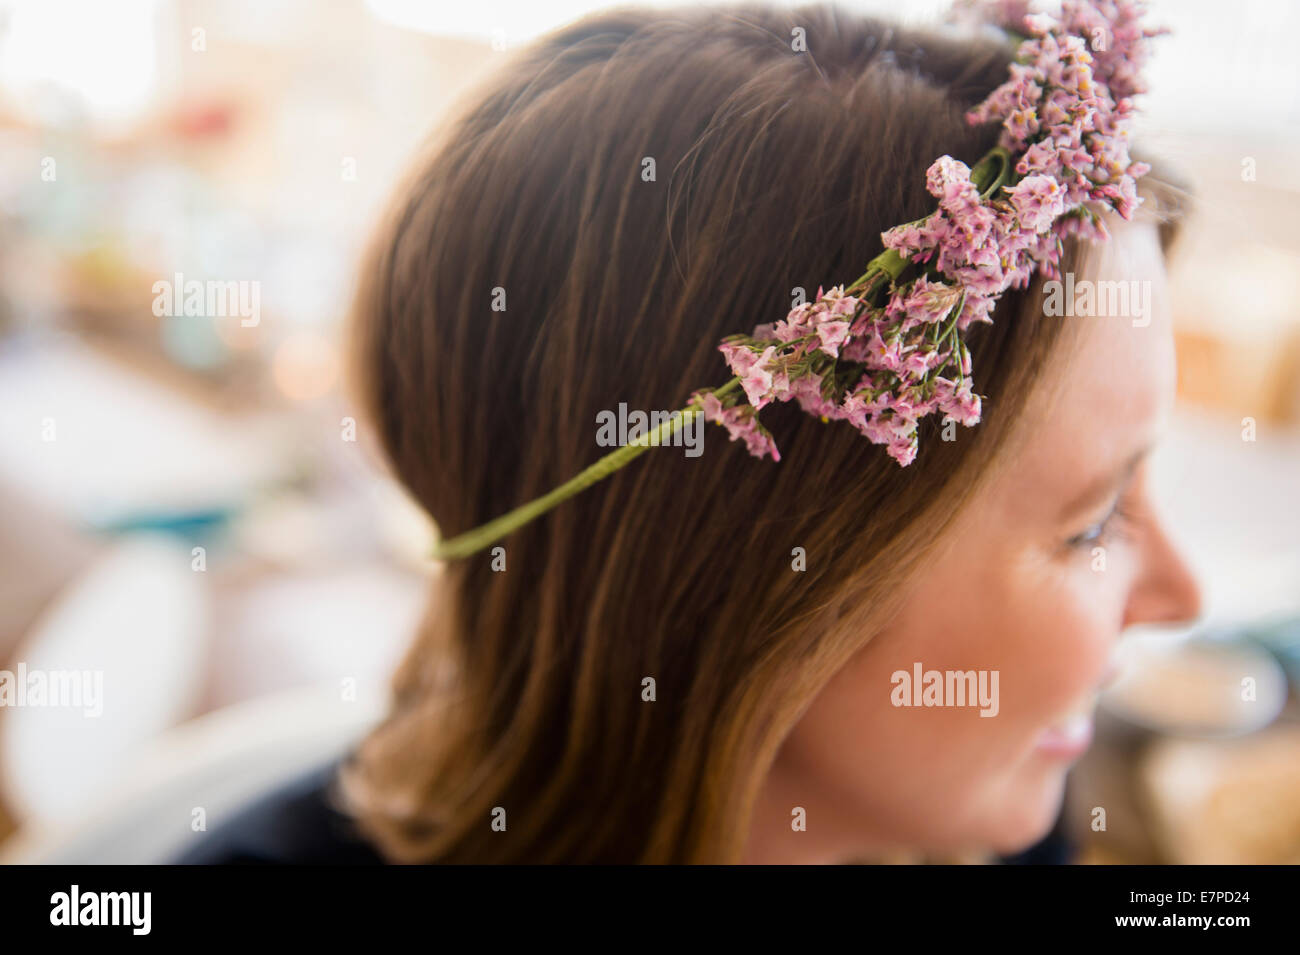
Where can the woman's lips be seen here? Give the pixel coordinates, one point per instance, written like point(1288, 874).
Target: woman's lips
point(1069, 738)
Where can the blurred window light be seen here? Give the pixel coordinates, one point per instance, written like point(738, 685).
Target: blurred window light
point(1225, 68)
point(103, 54)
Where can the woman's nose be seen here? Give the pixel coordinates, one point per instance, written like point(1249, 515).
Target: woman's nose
point(1167, 590)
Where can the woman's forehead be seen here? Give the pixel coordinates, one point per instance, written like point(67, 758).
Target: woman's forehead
point(1110, 390)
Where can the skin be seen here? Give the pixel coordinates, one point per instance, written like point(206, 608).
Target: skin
point(1009, 593)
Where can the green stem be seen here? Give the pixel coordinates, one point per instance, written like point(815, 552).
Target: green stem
point(889, 262)
point(956, 316)
point(992, 171)
point(480, 537)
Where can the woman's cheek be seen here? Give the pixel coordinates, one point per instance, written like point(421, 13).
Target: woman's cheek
point(1089, 616)
point(1067, 621)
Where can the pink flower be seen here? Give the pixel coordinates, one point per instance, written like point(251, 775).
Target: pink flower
point(903, 450)
point(884, 355)
point(948, 180)
point(1038, 200)
point(742, 424)
point(962, 405)
point(925, 303)
point(739, 358)
point(844, 307)
point(757, 380)
point(760, 443)
point(807, 390)
point(918, 363)
point(1021, 125)
point(832, 335)
point(786, 332)
point(712, 407)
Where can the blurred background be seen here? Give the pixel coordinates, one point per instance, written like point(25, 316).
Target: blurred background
point(191, 506)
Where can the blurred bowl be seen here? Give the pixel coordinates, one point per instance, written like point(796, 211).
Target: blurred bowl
point(1208, 686)
point(1282, 638)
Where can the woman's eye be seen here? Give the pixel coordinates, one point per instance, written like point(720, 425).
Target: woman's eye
point(1091, 536)
point(1100, 532)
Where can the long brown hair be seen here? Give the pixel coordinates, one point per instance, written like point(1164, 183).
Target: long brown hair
point(774, 170)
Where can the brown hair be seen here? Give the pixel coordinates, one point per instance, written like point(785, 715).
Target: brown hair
point(775, 170)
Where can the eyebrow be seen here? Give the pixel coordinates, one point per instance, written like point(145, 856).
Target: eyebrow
point(1104, 486)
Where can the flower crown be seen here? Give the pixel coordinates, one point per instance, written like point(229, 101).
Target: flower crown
point(888, 349)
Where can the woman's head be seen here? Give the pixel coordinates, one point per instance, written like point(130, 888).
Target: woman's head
point(670, 663)
point(1054, 555)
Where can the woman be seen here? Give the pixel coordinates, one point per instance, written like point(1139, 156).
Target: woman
point(711, 658)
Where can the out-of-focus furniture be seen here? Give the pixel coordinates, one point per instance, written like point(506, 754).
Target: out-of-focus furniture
point(116, 659)
point(205, 770)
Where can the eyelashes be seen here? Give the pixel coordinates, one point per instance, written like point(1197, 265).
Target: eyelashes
point(1113, 526)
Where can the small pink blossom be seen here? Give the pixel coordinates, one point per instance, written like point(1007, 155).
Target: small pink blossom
point(757, 380)
point(832, 335)
point(739, 358)
point(1038, 200)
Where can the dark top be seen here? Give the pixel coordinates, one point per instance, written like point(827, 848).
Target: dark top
point(300, 824)
point(296, 824)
